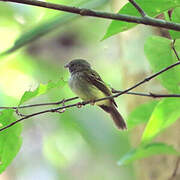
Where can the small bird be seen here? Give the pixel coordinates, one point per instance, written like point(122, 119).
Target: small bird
point(88, 85)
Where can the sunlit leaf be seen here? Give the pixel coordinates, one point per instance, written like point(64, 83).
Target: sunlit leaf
point(10, 139)
point(41, 89)
point(147, 151)
point(6, 11)
point(151, 7)
point(141, 114)
point(177, 46)
point(160, 55)
point(165, 113)
point(49, 26)
point(175, 18)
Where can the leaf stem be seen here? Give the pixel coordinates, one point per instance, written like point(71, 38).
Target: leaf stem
point(140, 10)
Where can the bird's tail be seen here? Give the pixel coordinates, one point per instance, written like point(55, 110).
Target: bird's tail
point(116, 116)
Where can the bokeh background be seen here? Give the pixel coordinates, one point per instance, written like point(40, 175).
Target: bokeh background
point(80, 143)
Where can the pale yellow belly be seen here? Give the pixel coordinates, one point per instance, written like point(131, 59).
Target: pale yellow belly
point(86, 91)
point(98, 95)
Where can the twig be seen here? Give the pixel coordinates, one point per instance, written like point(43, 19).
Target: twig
point(175, 52)
point(63, 108)
point(88, 12)
point(151, 95)
point(175, 169)
point(26, 117)
point(145, 80)
point(41, 104)
point(143, 14)
point(18, 113)
point(88, 102)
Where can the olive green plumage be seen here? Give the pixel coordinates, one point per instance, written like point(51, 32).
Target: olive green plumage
point(88, 85)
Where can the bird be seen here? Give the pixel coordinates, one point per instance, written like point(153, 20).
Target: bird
point(87, 84)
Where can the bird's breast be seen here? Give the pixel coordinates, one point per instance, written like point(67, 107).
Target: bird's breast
point(84, 89)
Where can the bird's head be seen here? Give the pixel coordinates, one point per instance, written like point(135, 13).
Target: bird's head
point(77, 65)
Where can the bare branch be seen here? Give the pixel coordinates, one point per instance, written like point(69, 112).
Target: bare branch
point(41, 104)
point(151, 95)
point(145, 80)
point(18, 113)
point(143, 14)
point(175, 52)
point(63, 108)
point(175, 169)
point(26, 117)
point(146, 20)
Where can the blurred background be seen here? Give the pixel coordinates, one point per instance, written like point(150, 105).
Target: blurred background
point(80, 143)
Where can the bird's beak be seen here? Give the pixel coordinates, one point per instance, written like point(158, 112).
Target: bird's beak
point(66, 66)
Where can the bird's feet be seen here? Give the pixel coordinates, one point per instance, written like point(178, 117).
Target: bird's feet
point(79, 105)
point(92, 102)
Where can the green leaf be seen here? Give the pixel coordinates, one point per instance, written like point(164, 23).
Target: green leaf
point(177, 46)
point(41, 89)
point(175, 17)
point(165, 113)
point(49, 26)
point(6, 11)
point(141, 114)
point(10, 139)
point(147, 151)
point(151, 7)
point(160, 55)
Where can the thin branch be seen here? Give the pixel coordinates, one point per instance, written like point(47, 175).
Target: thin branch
point(174, 40)
point(145, 80)
point(41, 104)
point(88, 102)
point(175, 169)
point(141, 11)
point(18, 113)
point(63, 108)
point(88, 12)
point(26, 117)
point(175, 52)
point(151, 95)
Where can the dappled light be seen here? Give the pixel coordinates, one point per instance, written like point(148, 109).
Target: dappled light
point(87, 93)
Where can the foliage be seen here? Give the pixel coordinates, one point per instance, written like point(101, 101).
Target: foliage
point(146, 151)
point(158, 115)
point(10, 139)
point(152, 8)
point(41, 89)
point(48, 26)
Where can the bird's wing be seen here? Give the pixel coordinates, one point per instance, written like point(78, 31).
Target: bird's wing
point(94, 78)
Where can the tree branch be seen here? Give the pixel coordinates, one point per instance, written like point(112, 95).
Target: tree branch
point(63, 108)
point(146, 20)
point(41, 104)
point(175, 52)
point(175, 169)
point(143, 14)
point(145, 80)
point(150, 95)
